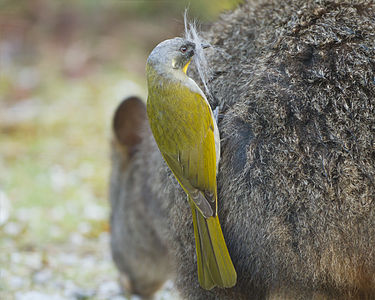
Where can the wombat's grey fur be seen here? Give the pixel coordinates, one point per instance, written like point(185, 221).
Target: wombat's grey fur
point(295, 82)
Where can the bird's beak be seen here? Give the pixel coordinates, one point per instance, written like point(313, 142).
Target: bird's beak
point(205, 46)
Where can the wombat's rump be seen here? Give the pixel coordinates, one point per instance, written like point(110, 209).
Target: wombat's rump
point(295, 82)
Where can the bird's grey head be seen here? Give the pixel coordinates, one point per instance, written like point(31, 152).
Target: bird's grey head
point(171, 54)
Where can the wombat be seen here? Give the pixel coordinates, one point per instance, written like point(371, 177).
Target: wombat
point(295, 84)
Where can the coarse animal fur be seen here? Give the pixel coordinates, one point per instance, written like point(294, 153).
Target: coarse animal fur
point(295, 83)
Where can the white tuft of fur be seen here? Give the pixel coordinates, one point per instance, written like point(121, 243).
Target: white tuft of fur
point(191, 34)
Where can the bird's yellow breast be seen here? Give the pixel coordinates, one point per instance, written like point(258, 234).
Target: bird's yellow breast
point(179, 118)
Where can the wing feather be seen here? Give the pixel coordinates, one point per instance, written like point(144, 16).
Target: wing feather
point(190, 148)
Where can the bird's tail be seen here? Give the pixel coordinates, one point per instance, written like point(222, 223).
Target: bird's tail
point(215, 267)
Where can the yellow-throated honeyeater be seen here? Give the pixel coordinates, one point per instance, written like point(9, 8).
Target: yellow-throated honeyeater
point(186, 133)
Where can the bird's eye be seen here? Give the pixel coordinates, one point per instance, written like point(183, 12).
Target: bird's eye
point(183, 49)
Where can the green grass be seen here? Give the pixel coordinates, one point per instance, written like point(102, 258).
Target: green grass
point(54, 168)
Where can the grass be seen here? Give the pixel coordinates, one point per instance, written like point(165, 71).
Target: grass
point(54, 169)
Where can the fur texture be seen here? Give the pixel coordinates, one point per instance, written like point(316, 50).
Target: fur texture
point(295, 83)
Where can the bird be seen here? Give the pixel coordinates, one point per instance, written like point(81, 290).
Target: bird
point(187, 135)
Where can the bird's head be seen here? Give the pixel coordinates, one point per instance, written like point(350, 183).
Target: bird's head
point(173, 54)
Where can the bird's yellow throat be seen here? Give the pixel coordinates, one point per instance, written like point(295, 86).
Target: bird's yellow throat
point(186, 66)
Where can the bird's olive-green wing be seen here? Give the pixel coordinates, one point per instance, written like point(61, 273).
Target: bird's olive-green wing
point(195, 169)
point(184, 132)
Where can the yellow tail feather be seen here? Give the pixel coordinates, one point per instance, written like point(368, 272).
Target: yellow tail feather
point(215, 267)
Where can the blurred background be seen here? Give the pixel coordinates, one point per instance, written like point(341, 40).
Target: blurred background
point(64, 66)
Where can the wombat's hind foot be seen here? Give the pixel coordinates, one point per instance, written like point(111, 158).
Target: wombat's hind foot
point(144, 291)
